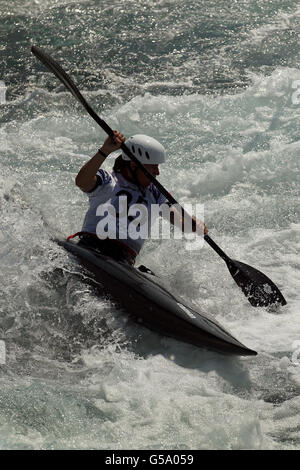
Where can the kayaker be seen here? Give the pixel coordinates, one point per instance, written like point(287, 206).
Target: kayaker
point(128, 180)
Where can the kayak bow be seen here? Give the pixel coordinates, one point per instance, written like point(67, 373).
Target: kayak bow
point(152, 305)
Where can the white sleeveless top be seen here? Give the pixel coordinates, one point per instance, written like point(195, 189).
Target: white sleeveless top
point(131, 211)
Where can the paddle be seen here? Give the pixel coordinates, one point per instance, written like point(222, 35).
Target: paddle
point(257, 287)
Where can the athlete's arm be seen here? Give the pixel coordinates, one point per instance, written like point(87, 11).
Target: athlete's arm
point(86, 179)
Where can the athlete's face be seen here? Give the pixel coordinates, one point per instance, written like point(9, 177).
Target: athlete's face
point(142, 179)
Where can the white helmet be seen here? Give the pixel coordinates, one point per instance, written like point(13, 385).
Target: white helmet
point(146, 149)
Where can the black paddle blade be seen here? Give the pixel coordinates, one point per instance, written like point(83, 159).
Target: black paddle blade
point(257, 287)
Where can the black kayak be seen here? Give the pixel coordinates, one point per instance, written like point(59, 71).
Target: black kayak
point(152, 305)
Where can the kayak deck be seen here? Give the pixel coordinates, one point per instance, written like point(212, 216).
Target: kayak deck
point(153, 306)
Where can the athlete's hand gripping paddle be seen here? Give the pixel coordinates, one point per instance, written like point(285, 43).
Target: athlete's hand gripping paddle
point(257, 287)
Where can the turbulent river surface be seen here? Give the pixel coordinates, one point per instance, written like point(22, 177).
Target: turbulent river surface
point(218, 86)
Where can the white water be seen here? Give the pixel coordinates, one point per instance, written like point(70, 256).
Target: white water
point(79, 374)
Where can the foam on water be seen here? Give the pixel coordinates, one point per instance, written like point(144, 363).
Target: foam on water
point(129, 402)
point(79, 373)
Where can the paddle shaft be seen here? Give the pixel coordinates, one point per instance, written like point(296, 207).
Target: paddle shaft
point(158, 185)
point(252, 282)
point(126, 150)
point(60, 73)
point(215, 247)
